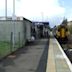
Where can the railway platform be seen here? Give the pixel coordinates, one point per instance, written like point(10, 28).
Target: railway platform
point(30, 58)
point(57, 60)
point(43, 55)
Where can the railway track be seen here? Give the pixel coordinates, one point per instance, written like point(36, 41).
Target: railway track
point(67, 47)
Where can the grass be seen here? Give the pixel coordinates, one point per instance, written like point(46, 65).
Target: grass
point(4, 48)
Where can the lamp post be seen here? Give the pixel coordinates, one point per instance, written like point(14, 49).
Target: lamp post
point(13, 9)
point(13, 17)
point(6, 9)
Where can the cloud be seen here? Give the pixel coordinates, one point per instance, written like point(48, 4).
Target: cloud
point(31, 8)
point(9, 7)
point(37, 7)
point(68, 14)
point(47, 10)
point(2, 4)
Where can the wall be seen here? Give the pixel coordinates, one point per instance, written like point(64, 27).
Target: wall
point(12, 36)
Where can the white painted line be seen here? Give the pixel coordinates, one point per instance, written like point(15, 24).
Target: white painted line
point(66, 58)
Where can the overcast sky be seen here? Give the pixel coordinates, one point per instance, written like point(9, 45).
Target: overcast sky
point(39, 10)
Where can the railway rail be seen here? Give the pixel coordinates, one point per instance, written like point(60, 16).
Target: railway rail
point(67, 47)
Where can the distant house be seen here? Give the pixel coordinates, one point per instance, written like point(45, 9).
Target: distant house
point(69, 23)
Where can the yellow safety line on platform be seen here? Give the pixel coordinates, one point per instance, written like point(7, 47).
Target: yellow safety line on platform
point(50, 61)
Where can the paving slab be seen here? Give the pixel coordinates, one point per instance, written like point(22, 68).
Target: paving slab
point(57, 60)
point(30, 58)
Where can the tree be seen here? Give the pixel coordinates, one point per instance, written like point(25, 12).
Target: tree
point(64, 22)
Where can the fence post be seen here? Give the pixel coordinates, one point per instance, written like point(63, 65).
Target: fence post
point(19, 38)
point(11, 44)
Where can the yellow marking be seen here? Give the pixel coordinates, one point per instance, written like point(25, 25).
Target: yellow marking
point(62, 32)
point(50, 60)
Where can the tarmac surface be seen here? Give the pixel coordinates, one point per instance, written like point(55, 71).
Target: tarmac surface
point(30, 58)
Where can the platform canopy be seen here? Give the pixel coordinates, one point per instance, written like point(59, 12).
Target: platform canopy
point(41, 23)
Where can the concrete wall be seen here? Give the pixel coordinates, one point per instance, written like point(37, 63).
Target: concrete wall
point(17, 27)
point(28, 30)
point(13, 35)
